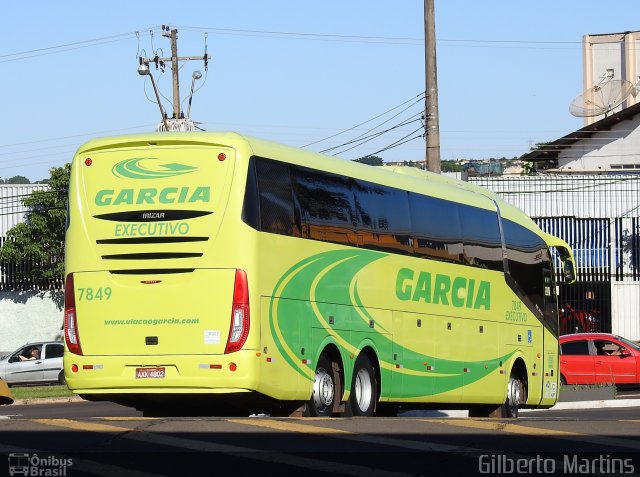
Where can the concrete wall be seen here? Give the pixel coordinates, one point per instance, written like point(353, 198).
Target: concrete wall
point(613, 150)
point(616, 51)
point(30, 316)
point(625, 309)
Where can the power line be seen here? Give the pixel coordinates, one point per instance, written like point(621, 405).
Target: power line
point(417, 98)
point(363, 140)
point(397, 143)
point(49, 50)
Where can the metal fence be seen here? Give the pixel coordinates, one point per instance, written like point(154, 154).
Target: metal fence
point(15, 276)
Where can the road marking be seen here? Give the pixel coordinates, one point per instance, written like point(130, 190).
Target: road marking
point(289, 426)
point(81, 425)
point(270, 457)
point(126, 418)
point(501, 426)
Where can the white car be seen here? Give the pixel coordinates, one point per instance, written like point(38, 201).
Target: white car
point(39, 362)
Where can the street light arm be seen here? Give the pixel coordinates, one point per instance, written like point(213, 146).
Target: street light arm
point(155, 90)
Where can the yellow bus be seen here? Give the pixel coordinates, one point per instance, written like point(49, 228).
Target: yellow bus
point(212, 269)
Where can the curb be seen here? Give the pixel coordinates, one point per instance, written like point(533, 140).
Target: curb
point(22, 402)
point(561, 406)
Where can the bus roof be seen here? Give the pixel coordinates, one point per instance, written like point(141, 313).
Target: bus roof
point(402, 177)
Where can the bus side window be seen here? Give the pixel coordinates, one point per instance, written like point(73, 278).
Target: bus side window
point(277, 211)
point(481, 238)
point(436, 228)
point(327, 205)
point(384, 221)
point(250, 205)
point(528, 258)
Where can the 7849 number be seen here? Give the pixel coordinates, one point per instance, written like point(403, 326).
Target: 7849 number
point(90, 294)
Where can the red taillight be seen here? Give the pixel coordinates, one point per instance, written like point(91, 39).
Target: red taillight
point(70, 322)
point(239, 329)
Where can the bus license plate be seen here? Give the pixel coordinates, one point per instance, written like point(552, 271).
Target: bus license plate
point(145, 373)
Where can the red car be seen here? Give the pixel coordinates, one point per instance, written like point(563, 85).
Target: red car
point(594, 358)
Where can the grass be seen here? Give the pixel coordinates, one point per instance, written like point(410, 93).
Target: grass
point(36, 392)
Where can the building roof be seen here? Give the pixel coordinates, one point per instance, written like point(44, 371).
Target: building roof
point(551, 150)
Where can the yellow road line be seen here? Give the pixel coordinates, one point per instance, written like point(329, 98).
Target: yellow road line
point(127, 418)
point(508, 427)
point(288, 426)
point(491, 425)
point(81, 425)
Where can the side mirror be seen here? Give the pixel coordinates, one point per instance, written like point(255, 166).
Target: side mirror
point(569, 271)
point(624, 352)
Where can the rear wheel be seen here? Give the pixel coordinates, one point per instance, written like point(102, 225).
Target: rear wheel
point(364, 388)
point(325, 390)
point(563, 380)
point(515, 397)
point(61, 378)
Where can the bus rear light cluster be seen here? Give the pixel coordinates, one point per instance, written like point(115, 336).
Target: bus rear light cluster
point(239, 329)
point(71, 336)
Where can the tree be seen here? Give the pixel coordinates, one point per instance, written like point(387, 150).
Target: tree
point(39, 241)
point(371, 160)
point(17, 180)
point(451, 166)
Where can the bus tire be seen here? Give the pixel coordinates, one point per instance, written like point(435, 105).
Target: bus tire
point(325, 390)
point(364, 388)
point(515, 397)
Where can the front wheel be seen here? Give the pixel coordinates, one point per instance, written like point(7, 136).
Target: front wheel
point(364, 388)
point(61, 378)
point(515, 397)
point(325, 390)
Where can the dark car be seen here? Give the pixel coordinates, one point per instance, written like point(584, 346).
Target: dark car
point(594, 358)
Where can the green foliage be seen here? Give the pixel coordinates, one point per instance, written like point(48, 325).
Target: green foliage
point(450, 166)
point(528, 167)
point(371, 160)
point(39, 241)
point(419, 165)
point(15, 180)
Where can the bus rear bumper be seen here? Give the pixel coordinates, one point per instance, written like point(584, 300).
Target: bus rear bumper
point(192, 374)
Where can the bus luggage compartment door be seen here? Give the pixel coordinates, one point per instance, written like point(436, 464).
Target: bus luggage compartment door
point(163, 314)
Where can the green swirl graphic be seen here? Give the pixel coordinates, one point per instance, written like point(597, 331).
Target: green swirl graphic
point(319, 286)
point(133, 169)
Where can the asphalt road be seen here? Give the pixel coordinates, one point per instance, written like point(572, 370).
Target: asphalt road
point(109, 440)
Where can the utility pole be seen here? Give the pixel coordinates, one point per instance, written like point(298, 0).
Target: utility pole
point(432, 128)
point(174, 70)
point(178, 122)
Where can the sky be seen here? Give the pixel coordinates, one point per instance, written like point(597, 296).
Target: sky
point(328, 76)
